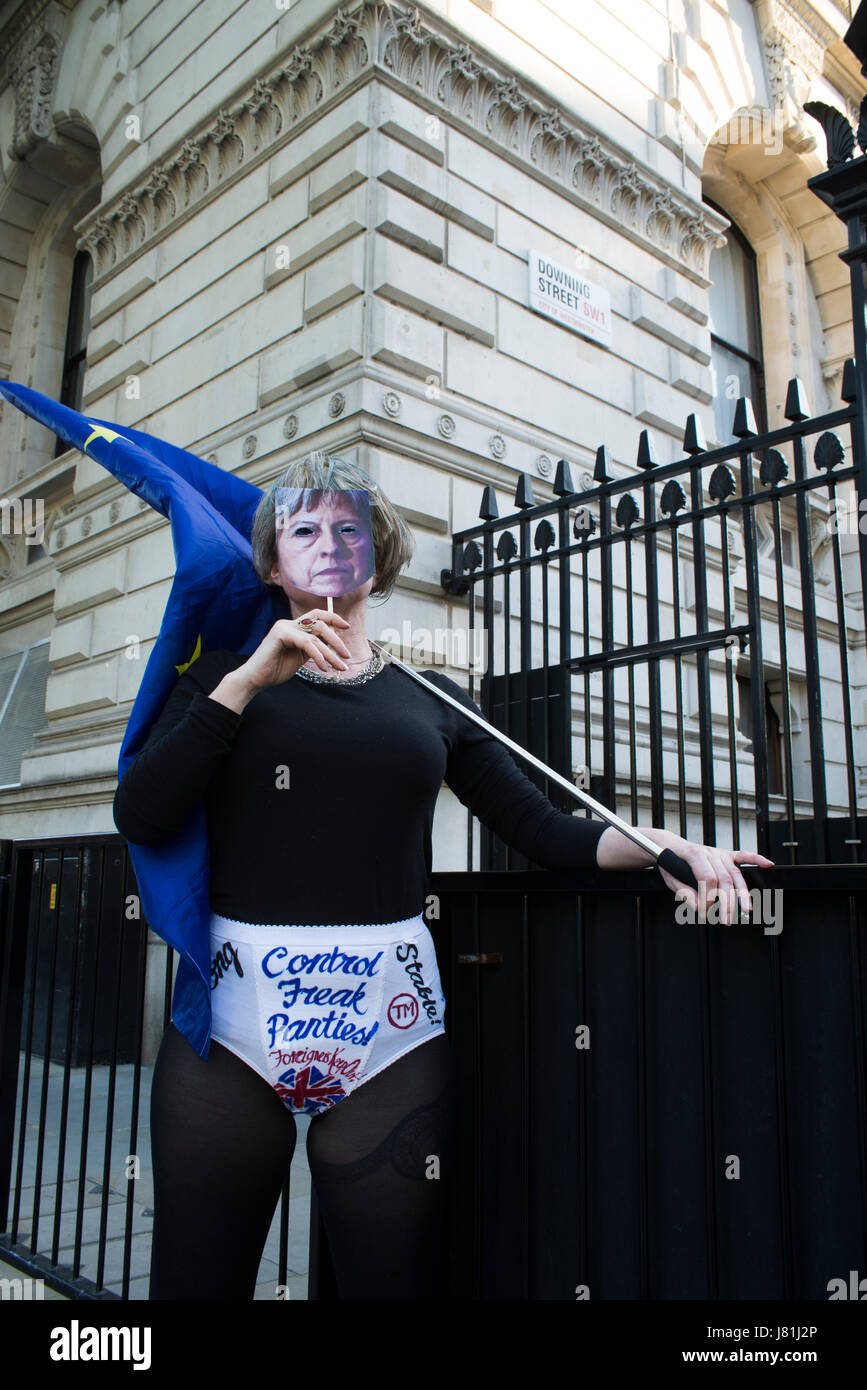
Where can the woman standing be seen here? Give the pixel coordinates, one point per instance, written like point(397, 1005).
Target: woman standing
point(319, 768)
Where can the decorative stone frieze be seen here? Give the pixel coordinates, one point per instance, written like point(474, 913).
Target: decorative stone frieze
point(424, 54)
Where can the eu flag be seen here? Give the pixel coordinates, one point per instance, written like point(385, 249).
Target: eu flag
point(216, 600)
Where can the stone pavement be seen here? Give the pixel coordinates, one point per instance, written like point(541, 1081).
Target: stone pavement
point(109, 1200)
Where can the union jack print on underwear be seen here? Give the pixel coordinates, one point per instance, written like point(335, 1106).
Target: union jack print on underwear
point(308, 1089)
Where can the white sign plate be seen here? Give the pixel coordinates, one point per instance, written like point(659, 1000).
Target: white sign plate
point(565, 295)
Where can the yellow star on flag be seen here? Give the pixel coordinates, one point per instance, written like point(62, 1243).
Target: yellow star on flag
point(101, 432)
point(197, 652)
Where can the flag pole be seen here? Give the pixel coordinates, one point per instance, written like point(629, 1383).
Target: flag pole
point(663, 858)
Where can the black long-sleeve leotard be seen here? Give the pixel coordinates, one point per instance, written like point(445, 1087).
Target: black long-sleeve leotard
point(320, 802)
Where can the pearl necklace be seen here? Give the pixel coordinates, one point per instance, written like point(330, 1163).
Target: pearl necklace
point(373, 668)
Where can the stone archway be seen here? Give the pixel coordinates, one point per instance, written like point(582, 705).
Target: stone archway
point(38, 281)
point(52, 175)
point(47, 156)
point(761, 183)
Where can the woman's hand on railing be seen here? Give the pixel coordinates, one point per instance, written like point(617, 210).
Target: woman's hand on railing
point(716, 870)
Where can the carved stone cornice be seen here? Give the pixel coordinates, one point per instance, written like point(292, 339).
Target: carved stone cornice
point(32, 66)
point(20, 20)
point(795, 38)
point(812, 18)
point(794, 53)
point(439, 68)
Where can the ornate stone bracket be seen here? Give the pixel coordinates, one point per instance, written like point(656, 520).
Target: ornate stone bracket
point(794, 54)
point(418, 51)
point(33, 67)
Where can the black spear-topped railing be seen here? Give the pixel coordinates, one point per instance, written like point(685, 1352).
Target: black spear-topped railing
point(688, 640)
point(725, 693)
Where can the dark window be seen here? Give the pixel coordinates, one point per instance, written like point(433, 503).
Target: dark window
point(787, 544)
point(736, 335)
point(23, 681)
point(774, 757)
point(77, 328)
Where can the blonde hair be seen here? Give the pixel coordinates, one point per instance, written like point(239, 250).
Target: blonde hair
point(392, 538)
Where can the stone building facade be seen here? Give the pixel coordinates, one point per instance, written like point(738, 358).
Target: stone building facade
point(308, 225)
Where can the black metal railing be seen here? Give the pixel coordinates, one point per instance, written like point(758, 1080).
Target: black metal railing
point(656, 1110)
point(74, 1087)
point(672, 638)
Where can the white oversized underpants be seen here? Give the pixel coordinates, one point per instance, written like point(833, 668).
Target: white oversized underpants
point(318, 1010)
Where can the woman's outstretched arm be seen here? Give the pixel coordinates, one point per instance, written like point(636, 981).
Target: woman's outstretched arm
point(486, 778)
point(716, 869)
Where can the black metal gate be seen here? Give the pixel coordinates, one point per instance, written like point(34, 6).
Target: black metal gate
point(651, 1110)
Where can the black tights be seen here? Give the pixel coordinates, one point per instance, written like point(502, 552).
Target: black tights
point(222, 1142)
